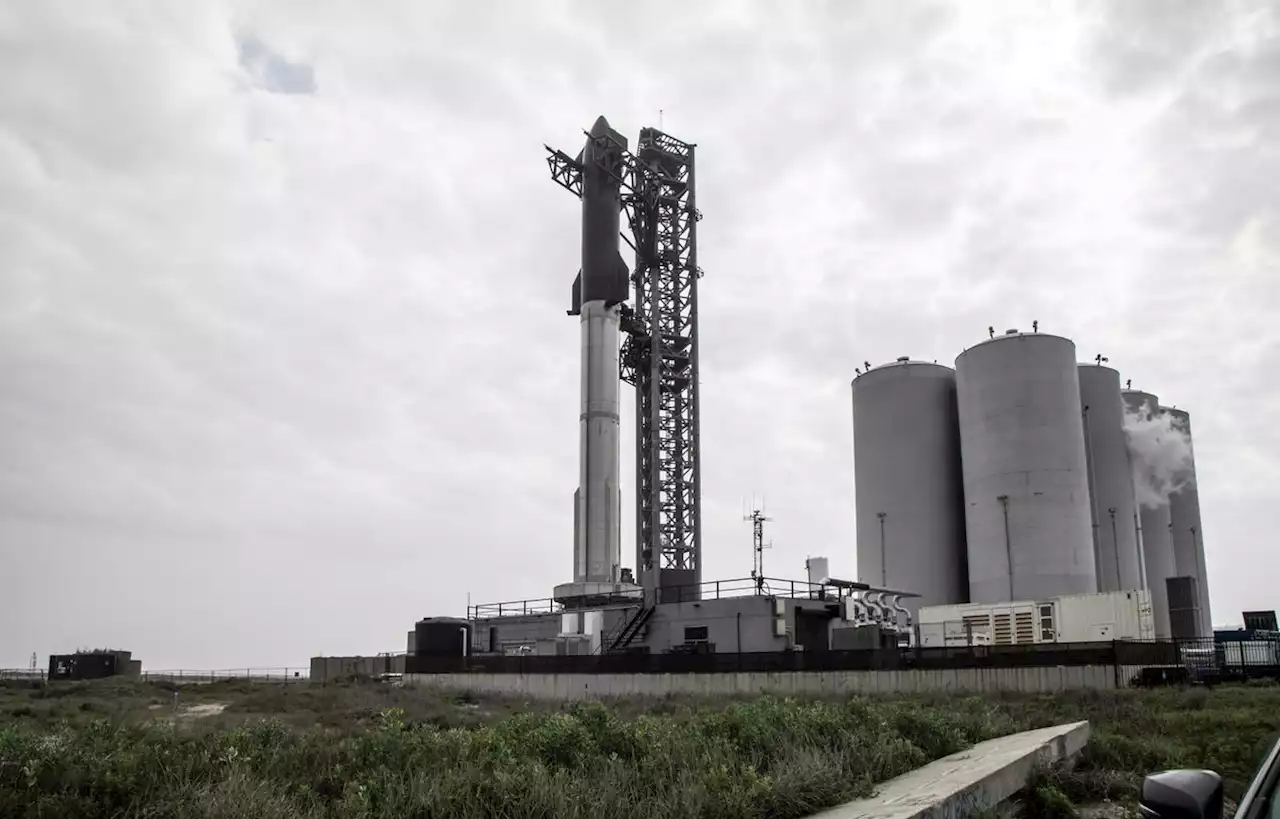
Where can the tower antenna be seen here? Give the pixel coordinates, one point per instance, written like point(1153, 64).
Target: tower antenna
point(757, 519)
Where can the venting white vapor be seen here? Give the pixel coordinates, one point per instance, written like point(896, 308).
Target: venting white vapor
point(1160, 453)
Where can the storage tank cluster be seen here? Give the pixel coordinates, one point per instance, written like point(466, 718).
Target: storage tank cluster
point(1014, 477)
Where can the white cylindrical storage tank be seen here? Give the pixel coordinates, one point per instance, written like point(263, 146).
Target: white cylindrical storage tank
point(1157, 540)
point(1110, 480)
point(1026, 485)
point(1184, 519)
point(818, 569)
point(910, 514)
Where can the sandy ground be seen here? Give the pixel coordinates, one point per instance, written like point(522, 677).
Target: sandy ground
point(1104, 810)
point(207, 709)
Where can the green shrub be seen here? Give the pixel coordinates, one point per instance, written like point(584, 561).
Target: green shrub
point(369, 751)
point(1047, 801)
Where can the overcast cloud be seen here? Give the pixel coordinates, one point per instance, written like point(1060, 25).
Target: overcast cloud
point(284, 363)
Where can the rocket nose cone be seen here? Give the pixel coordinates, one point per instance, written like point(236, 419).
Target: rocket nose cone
point(601, 127)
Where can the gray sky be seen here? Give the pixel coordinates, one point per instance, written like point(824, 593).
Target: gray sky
point(284, 362)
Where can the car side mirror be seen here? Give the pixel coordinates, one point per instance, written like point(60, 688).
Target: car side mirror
point(1182, 795)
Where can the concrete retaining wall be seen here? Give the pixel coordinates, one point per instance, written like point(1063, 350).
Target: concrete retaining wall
point(329, 668)
point(963, 680)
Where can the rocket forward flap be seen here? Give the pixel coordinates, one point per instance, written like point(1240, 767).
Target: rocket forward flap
point(575, 299)
point(619, 283)
point(616, 286)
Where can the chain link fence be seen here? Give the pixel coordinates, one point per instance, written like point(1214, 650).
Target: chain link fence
point(185, 676)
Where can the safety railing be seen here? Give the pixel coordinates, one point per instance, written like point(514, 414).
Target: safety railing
point(710, 590)
point(184, 676)
point(283, 674)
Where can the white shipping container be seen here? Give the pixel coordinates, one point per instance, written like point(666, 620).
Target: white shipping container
point(818, 569)
point(1099, 618)
point(1077, 618)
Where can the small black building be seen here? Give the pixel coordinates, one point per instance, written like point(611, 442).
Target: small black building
point(93, 665)
point(85, 666)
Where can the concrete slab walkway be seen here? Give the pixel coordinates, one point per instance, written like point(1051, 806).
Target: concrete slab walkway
point(969, 781)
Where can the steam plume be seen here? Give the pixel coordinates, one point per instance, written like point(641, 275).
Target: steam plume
point(1160, 454)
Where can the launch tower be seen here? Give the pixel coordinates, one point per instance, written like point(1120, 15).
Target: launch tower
point(660, 354)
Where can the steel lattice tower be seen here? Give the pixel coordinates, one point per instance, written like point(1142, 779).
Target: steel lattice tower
point(660, 359)
point(660, 354)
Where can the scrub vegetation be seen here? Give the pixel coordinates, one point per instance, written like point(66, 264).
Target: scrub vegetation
point(126, 749)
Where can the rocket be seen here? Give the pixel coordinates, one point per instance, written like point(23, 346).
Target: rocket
point(601, 287)
point(603, 276)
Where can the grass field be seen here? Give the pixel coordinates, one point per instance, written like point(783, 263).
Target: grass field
point(128, 749)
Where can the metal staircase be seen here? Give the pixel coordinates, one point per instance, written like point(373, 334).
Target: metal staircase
point(628, 631)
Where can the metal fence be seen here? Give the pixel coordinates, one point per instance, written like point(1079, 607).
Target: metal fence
point(1162, 661)
point(1206, 660)
point(286, 674)
point(187, 676)
point(1135, 663)
point(1016, 656)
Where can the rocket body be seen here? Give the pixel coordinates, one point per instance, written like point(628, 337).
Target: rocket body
point(601, 286)
point(598, 501)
